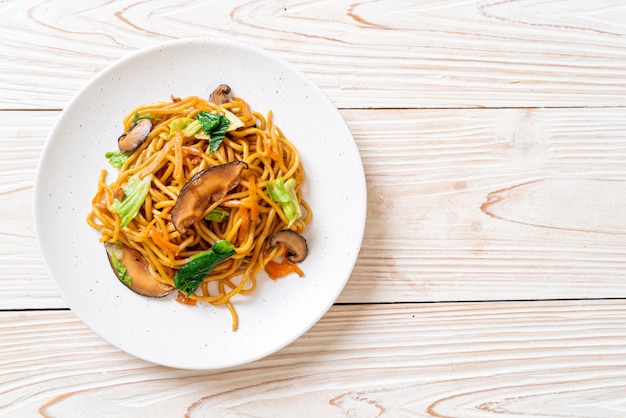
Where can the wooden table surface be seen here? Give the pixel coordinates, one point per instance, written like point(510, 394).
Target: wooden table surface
point(491, 279)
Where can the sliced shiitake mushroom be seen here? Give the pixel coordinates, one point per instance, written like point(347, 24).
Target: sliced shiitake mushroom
point(297, 248)
point(220, 94)
point(135, 135)
point(141, 278)
point(205, 187)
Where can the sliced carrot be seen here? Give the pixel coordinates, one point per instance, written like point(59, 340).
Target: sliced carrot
point(171, 249)
point(158, 239)
point(193, 150)
point(181, 298)
point(254, 204)
point(245, 223)
point(277, 270)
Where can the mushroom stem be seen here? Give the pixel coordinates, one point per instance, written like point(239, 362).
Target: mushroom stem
point(219, 96)
point(297, 248)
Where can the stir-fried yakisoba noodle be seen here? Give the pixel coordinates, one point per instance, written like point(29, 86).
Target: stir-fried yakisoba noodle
point(208, 194)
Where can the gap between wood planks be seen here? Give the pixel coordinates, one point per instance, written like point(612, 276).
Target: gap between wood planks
point(389, 303)
point(390, 108)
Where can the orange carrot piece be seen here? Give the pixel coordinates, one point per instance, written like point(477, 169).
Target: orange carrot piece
point(159, 240)
point(170, 249)
point(193, 151)
point(254, 204)
point(277, 270)
point(181, 298)
point(245, 223)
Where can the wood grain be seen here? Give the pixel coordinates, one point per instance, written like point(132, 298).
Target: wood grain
point(364, 54)
point(492, 135)
point(24, 281)
point(491, 204)
point(435, 360)
point(462, 205)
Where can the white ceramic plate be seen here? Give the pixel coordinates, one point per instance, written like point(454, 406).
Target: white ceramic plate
point(161, 330)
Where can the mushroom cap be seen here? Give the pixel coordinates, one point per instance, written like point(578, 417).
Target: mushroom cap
point(135, 135)
point(219, 96)
point(143, 281)
point(207, 186)
point(297, 248)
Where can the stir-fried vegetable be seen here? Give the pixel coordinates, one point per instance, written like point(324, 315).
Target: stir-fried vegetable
point(277, 270)
point(117, 158)
point(189, 277)
point(284, 192)
point(115, 253)
point(145, 116)
point(135, 193)
point(234, 120)
point(218, 215)
point(215, 126)
point(207, 125)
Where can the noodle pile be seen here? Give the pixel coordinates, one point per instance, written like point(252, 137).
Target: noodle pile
point(172, 160)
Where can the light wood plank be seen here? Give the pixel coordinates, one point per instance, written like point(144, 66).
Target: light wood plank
point(554, 359)
point(507, 204)
point(463, 205)
point(522, 200)
point(363, 54)
point(24, 281)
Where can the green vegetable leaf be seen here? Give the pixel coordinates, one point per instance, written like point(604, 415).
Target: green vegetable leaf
point(189, 277)
point(193, 129)
point(139, 117)
point(135, 193)
point(120, 269)
point(218, 215)
point(179, 124)
point(284, 192)
point(215, 126)
point(235, 122)
point(117, 158)
point(188, 126)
